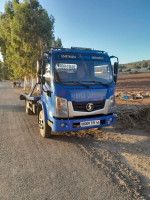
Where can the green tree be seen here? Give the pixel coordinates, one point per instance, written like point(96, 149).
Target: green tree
point(120, 69)
point(58, 43)
point(3, 71)
point(145, 65)
point(128, 70)
point(0, 70)
point(137, 67)
point(5, 32)
point(25, 30)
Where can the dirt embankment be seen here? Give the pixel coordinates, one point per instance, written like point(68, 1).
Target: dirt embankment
point(133, 100)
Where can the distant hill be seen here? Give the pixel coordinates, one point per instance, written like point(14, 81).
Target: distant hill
point(139, 66)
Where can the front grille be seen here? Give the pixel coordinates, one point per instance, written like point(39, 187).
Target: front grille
point(81, 106)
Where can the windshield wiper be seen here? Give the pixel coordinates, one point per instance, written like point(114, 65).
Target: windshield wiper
point(78, 82)
point(98, 83)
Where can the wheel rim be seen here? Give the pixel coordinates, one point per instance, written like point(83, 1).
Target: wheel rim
point(41, 123)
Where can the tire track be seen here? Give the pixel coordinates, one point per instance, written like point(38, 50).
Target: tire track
point(127, 180)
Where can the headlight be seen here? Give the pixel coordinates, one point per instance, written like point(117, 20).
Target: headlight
point(61, 107)
point(111, 103)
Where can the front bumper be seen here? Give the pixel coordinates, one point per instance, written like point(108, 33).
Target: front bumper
point(74, 124)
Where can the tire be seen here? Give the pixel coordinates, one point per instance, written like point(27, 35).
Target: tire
point(28, 111)
point(45, 130)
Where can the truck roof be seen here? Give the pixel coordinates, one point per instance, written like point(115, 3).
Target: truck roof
point(75, 50)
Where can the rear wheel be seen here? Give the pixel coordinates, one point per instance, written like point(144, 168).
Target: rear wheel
point(28, 111)
point(45, 130)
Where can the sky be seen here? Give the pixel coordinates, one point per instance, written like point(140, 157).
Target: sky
point(119, 27)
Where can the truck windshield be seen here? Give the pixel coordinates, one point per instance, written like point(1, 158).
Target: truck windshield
point(81, 69)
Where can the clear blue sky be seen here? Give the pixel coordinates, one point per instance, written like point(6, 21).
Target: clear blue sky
point(120, 27)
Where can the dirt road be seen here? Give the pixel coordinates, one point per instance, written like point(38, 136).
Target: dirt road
point(94, 165)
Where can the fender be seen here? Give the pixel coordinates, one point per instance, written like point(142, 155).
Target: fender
point(44, 109)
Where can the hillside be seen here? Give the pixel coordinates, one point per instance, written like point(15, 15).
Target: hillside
point(140, 66)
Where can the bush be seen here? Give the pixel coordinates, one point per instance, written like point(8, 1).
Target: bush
point(148, 68)
point(128, 70)
point(137, 67)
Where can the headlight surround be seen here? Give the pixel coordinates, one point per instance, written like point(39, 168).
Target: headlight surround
point(111, 103)
point(61, 107)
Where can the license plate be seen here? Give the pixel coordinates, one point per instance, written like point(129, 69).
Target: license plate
point(90, 123)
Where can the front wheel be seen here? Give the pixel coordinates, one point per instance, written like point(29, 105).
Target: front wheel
point(45, 130)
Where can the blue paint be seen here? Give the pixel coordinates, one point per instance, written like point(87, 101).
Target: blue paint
point(69, 123)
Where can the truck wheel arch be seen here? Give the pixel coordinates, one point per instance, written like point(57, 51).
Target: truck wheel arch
point(42, 106)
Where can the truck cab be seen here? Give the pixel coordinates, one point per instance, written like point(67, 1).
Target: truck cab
point(76, 90)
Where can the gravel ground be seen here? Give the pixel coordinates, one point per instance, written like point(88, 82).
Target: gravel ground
point(111, 163)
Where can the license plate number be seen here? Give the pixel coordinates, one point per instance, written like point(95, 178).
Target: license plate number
point(90, 123)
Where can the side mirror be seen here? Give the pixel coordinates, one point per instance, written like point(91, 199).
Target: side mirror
point(43, 66)
point(38, 80)
point(48, 93)
point(43, 80)
point(116, 68)
point(39, 66)
point(43, 70)
point(115, 78)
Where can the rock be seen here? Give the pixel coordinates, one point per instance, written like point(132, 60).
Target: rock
point(138, 96)
point(117, 94)
point(132, 96)
point(147, 94)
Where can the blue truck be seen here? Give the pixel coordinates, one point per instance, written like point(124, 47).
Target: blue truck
point(74, 90)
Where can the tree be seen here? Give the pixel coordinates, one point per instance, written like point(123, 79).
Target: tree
point(137, 67)
point(58, 43)
point(128, 70)
point(3, 71)
point(0, 70)
point(120, 69)
point(145, 65)
point(25, 30)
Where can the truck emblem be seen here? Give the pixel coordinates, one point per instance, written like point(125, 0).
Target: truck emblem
point(89, 106)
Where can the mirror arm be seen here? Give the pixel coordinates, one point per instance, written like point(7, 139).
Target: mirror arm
point(114, 57)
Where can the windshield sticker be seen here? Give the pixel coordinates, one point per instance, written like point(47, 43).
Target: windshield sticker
point(65, 67)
